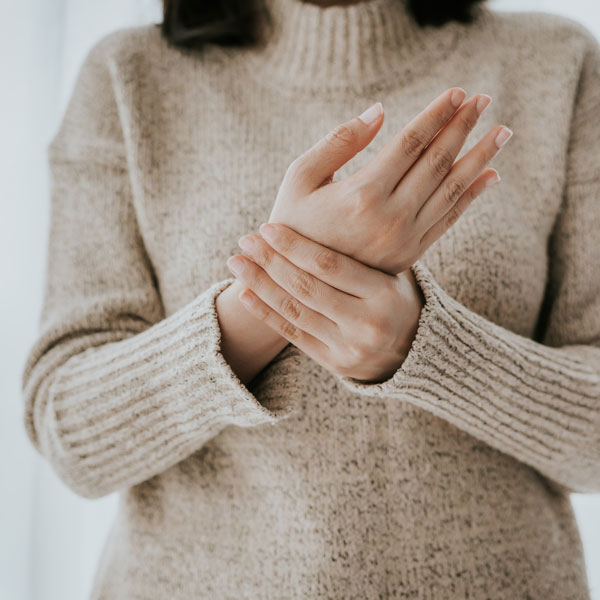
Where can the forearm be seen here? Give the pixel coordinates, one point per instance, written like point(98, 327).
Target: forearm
point(112, 398)
point(247, 344)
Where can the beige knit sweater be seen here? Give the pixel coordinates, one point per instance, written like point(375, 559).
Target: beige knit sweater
point(450, 479)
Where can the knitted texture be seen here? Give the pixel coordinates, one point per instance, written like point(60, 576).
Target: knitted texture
point(449, 480)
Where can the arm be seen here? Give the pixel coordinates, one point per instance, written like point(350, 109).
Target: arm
point(114, 392)
point(361, 197)
point(534, 401)
point(537, 401)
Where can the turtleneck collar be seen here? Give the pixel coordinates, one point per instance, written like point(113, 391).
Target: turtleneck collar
point(307, 48)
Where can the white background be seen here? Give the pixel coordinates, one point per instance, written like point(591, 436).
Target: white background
point(50, 538)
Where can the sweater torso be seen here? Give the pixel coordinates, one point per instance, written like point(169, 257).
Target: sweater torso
point(350, 496)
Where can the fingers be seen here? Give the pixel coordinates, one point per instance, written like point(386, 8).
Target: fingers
point(320, 162)
point(283, 303)
point(310, 345)
point(433, 165)
point(398, 155)
point(488, 178)
point(310, 291)
point(460, 177)
point(336, 269)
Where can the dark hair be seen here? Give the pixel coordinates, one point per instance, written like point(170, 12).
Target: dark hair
point(227, 22)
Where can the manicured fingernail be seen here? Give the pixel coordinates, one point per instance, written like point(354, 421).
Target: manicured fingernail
point(458, 95)
point(503, 136)
point(268, 232)
point(371, 114)
point(482, 103)
point(235, 264)
point(247, 243)
point(495, 178)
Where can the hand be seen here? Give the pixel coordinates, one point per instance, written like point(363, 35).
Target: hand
point(390, 211)
point(350, 318)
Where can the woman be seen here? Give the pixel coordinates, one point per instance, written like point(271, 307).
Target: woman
point(440, 398)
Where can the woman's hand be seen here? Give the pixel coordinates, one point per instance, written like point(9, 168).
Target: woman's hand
point(390, 211)
point(350, 318)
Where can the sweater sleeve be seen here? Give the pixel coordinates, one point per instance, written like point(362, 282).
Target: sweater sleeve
point(538, 401)
point(114, 391)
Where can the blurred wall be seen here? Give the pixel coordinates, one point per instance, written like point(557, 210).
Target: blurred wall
point(50, 538)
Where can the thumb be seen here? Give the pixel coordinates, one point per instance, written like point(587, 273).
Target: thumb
point(320, 162)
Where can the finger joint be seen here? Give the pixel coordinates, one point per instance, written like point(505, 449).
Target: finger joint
point(452, 190)
point(303, 286)
point(288, 330)
point(343, 135)
point(327, 261)
point(290, 308)
point(412, 143)
point(440, 160)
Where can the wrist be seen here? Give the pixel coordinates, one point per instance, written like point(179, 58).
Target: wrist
point(414, 301)
point(266, 338)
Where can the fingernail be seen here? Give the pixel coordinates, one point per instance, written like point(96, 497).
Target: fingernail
point(482, 103)
point(268, 231)
point(247, 243)
point(503, 136)
point(495, 178)
point(235, 264)
point(371, 114)
point(458, 95)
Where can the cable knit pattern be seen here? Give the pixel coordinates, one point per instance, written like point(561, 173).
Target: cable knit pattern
point(451, 479)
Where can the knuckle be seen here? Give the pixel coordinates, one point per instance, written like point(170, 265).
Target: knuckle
point(288, 330)
point(303, 285)
point(452, 190)
point(290, 308)
point(327, 261)
point(342, 135)
point(440, 160)
point(412, 142)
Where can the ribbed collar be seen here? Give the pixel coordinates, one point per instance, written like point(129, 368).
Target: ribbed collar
point(307, 48)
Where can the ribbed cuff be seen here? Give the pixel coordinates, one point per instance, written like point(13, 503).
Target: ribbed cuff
point(535, 402)
point(125, 411)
